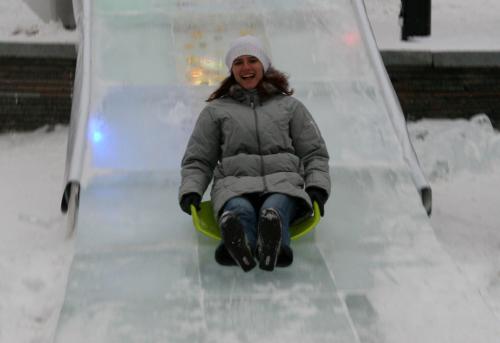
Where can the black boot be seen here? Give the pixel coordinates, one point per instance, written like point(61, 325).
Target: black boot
point(285, 257)
point(235, 241)
point(223, 258)
point(269, 238)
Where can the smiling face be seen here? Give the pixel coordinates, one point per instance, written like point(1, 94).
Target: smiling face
point(248, 71)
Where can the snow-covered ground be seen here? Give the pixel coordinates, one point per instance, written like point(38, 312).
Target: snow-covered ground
point(461, 159)
point(457, 25)
point(34, 254)
point(18, 23)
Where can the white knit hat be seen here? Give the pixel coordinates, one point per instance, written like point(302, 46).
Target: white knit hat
point(247, 45)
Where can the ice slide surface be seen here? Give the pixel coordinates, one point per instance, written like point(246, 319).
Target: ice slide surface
point(372, 271)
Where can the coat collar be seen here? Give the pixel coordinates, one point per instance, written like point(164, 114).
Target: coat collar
point(258, 95)
point(244, 96)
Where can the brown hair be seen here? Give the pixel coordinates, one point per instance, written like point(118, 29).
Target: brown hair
point(277, 79)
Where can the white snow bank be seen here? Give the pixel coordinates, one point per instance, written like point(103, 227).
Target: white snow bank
point(34, 254)
point(449, 147)
point(461, 158)
point(31, 181)
point(465, 220)
point(18, 23)
point(455, 25)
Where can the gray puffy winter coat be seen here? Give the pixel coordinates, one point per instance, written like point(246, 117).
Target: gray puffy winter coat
point(250, 146)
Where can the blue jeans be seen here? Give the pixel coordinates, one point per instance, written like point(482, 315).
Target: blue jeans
point(248, 208)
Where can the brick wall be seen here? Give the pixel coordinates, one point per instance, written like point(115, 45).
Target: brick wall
point(35, 92)
point(447, 92)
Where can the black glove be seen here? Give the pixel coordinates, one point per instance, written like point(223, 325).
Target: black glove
point(190, 199)
point(320, 196)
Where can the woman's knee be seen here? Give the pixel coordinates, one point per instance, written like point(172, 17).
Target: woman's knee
point(285, 205)
point(240, 205)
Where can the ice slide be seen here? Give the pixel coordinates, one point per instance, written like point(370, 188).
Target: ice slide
point(372, 271)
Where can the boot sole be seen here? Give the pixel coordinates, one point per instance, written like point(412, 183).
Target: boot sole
point(236, 244)
point(269, 243)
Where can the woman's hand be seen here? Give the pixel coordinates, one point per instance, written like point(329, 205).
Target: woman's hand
point(320, 196)
point(190, 199)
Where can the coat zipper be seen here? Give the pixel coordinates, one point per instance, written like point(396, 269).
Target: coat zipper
point(262, 168)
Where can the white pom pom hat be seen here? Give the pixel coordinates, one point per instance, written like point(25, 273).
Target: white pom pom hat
point(247, 45)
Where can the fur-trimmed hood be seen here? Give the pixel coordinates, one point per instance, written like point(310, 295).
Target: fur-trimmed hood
point(263, 92)
point(274, 82)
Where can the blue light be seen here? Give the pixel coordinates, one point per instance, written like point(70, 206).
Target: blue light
point(97, 136)
point(96, 129)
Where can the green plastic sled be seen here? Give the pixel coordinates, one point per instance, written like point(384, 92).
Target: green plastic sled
point(204, 221)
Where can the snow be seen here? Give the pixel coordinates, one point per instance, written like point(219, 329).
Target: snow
point(462, 161)
point(461, 158)
point(34, 254)
point(455, 26)
point(20, 24)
